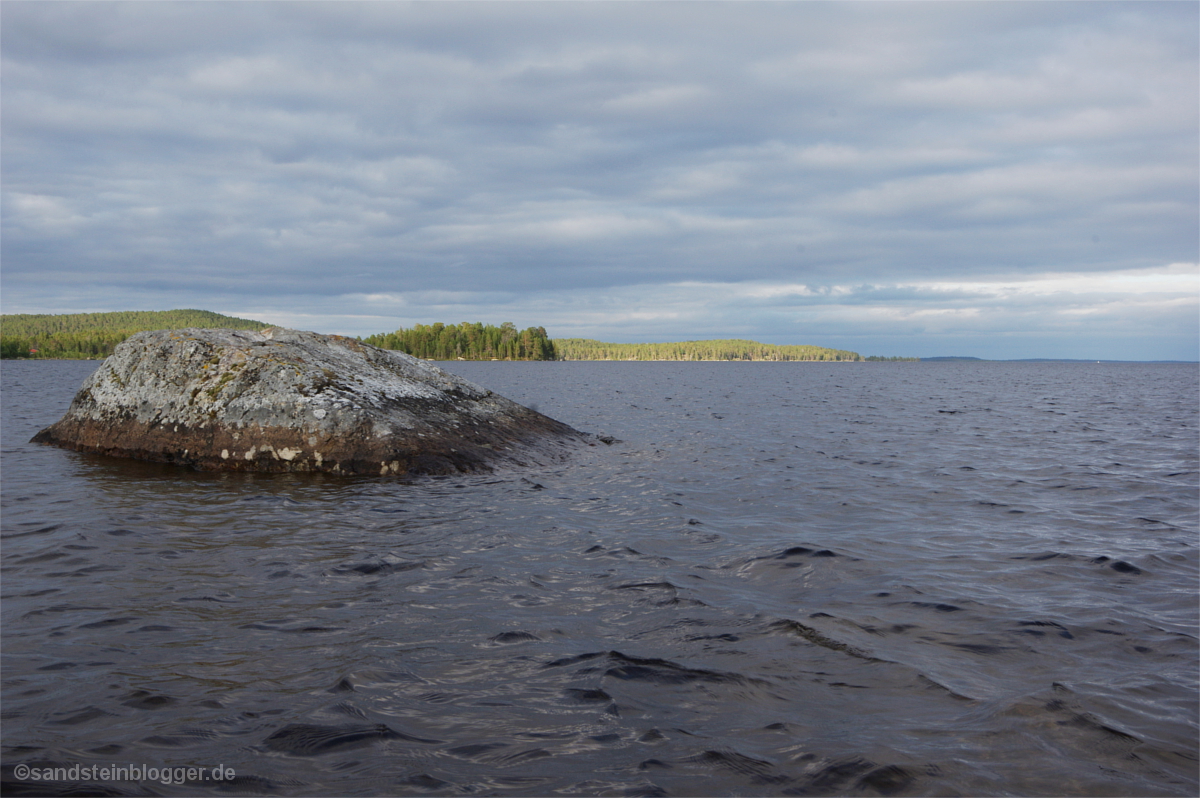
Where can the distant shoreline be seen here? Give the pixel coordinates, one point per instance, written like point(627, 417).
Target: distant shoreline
point(668, 360)
point(92, 336)
point(1045, 360)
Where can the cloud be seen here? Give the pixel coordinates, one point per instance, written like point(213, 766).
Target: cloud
point(615, 158)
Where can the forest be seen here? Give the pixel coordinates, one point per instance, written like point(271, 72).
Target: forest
point(94, 335)
point(82, 336)
point(734, 349)
point(468, 341)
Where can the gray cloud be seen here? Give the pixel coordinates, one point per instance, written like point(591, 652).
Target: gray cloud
point(297, 158)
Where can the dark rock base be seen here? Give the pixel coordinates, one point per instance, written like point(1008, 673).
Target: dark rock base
point(521, 442)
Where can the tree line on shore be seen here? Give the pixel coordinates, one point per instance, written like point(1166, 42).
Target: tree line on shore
point(83, 336)
point(468, 341)
point(95, 335)
point(731, 349)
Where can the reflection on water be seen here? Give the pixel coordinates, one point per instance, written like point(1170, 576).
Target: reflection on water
point(787, 579)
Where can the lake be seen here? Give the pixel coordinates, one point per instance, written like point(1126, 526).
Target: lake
point(783, 579)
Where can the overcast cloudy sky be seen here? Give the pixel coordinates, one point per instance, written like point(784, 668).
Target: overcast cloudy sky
point(1011, 179)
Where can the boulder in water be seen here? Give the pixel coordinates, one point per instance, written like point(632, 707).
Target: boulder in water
point(285, 400)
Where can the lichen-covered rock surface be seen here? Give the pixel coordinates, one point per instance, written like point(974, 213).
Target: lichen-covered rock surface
point(284, 400)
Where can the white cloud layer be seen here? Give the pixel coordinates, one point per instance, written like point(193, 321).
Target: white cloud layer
point(996, 179)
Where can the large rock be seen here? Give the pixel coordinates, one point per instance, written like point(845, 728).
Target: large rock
point(283, 400)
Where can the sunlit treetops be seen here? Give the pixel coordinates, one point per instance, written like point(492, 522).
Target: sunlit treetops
point(468, 341)
point(477, 341)
point(94, 335)
point(733, 349)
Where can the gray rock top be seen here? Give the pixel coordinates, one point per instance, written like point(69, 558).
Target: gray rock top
point(285, 400)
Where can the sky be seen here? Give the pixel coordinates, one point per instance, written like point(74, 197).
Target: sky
point(998, 180)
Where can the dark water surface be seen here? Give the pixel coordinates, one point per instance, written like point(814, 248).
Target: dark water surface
point(787, 579)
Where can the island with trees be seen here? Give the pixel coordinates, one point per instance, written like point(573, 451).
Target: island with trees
point(468, 341)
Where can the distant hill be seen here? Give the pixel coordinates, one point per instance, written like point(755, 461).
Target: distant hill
point(94, 335)
point(732, 349)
